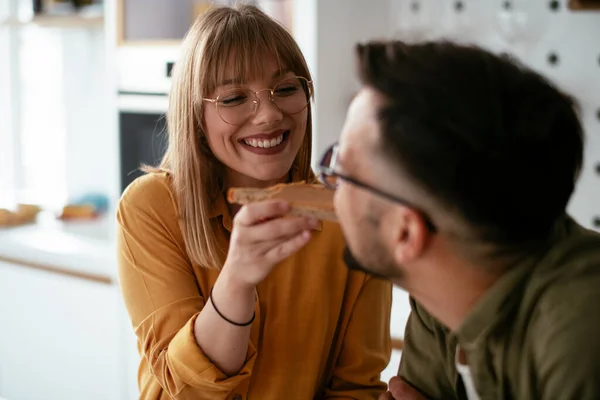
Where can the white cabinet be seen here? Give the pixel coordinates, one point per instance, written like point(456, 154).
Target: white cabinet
point(59, 337)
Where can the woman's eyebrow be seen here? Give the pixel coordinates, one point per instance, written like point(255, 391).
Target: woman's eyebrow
point(281, 72)
point(230, 81)
point(277, 74)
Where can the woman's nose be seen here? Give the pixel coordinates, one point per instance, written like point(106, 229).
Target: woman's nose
point(266, 112)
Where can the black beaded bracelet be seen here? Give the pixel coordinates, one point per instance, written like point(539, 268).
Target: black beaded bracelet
point(227, 319)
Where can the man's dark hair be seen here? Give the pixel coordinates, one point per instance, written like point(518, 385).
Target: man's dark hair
point(484, 135)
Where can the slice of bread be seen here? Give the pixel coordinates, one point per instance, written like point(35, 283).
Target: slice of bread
point(307, 200)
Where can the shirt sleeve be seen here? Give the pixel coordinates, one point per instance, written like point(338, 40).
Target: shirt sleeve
point(366, 347)
point(567, 342)
point(427, 362)
point(163, 299)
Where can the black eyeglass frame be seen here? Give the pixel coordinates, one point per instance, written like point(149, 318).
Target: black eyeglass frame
point(326, 171)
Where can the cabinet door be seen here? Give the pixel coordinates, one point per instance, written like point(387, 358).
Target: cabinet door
point(59, 337)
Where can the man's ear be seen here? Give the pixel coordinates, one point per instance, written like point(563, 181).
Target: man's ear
point(411, 236)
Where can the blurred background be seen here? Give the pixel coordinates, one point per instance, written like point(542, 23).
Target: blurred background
point(83, 92)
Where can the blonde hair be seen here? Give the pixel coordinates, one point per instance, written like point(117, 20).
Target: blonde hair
point(245, 36)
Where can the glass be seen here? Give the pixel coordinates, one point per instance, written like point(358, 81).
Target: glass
point(330, 179)
point(290, 96)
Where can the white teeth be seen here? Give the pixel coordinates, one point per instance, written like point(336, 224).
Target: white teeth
point(264, 143)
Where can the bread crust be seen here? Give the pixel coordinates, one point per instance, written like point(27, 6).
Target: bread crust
point(307, 200)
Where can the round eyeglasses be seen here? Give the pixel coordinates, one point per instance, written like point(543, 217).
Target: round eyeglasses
point(290, 96)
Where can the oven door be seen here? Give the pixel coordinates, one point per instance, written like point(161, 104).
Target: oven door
point(142, 133)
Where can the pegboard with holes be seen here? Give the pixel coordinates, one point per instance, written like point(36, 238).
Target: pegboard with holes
point(558, 38)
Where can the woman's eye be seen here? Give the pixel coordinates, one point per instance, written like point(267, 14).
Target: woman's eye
point(233, 100)
point(286, 90)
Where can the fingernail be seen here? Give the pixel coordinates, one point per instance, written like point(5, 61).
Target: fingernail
point(313, 222)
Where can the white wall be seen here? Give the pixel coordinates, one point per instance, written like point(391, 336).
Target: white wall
point(327, 32)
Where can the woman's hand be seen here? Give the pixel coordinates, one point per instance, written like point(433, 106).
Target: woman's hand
point(260, 239)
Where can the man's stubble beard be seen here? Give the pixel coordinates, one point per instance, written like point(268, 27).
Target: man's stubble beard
point(370, 255)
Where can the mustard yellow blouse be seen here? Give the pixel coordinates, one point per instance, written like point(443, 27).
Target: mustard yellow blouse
point(321, 330)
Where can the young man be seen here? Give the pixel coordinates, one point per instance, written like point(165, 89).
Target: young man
point(453, 173)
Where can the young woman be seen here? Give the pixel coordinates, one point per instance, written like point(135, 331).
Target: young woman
point(236, 303)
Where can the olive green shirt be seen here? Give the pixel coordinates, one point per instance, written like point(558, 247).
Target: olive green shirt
point(534, 335)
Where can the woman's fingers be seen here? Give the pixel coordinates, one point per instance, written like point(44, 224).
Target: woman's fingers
point(281, 228)
point(262, 237)
point(283, 249)
point(252, 214)
point(261, 222)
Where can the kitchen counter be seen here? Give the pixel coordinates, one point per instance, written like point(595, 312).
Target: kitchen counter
point(62, 276)
point(83, 249)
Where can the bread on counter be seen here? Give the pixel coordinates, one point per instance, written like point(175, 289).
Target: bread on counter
point(78, 211)
point(23, 214)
